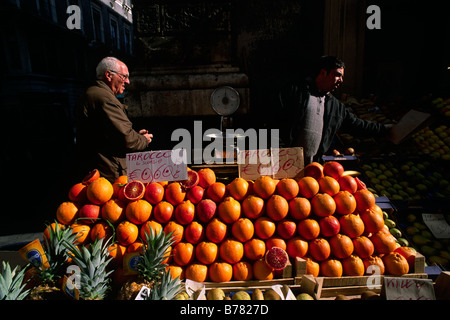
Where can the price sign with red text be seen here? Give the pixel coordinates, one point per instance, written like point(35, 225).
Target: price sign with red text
point(154, 166)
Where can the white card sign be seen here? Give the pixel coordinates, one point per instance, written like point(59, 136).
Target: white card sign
point(437, 225)
point(402, 288)
point(154, 166)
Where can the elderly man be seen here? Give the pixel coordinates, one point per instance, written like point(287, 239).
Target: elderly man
point(104, 132)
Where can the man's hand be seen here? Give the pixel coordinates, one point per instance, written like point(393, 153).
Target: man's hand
point(147, 135)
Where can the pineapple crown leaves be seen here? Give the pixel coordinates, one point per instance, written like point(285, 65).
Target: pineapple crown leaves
point(167, 288)
point(92, 261)
point(151, 266)
point(12, 283)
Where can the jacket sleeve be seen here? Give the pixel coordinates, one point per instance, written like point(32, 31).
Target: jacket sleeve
point(119, 120)
point(362, 127)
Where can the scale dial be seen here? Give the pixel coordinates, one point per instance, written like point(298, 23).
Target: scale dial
point(225, 100)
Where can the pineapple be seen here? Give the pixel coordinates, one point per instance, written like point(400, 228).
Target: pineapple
point(151, 267)
point(93, 261)
point(167, 288)
point(57, 256)
point(12, 283)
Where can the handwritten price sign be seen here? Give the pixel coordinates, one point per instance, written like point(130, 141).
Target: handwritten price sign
point(154, 166)
point(408, 289)
point(277, 163)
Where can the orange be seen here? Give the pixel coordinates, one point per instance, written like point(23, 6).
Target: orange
point(145, 229)
point(286, 228)
point(91, 176)
point(364, 199)
point(328, 185)
point(276, 242)
point(113, 211)
point(220, 272)
point(308, 229)
point(314, 170)
point(345, 202)
point(231, 251)
point(319, 249)
point(206, 177)
point(262, 271)
point(331, 268)
point(264, 227)
point(176, 271)
point(253, 206)
point(66, 213)
point(333, 169)
point(154, 193)
point(299, 208)
point(206, 252)
point(174, 193)
point(184, 212)
point(126, 233)
point(287, 188)
point(373, 219)
point(177, 229)
point(77, 193)
point(264, 187)
point(216, 191)
point(312, 267)
point(395, 264)
point(216, 230)
point(99, 191)
point(101, 229)
point(308, 187)
point(242, 271)
point(183, 253)
point(243, 229)
point(229, 210)
point(341, 246)
point(297, 247)
point(163, 211)
point(353, 266)
point(277, 207)
point(136, 246)
point(375, 261)
point(351, 225)
point(323, 205)
point(168, 255)
point(118, 184)
point(363, 247)
point(117, 251)
point(196, 272)
point(194, 232)
point(254, 249)
point(52, 226)
point(384, 242)
point(138, 211)
point(83, 233)
point(238, 188)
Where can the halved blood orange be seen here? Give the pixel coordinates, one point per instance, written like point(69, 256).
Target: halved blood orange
point(91, 176)
point(134, 190)
point(191, 181)
point(276, 258)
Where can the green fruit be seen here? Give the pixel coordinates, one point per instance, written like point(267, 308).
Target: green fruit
point(390, 223)
point(420, 240)
point(241, 295)
point(215, 294)
point(304, 296)
point(445, 254)
point(403, 242)
point(412, 230)
point(427, 234)
point(257, 294)
point(411, 217)
point(428, 250)
point(395, 232)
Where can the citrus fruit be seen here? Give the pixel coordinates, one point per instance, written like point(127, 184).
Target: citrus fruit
point(184, 212)
point(89, 213)
point(163, 211)
point(287, 188)
point(243, 229)
point(91, 176)
point(138, 211)
point(176, 229)
point(118, 184)
point(286, 228)
point(216, 191)
point(384, 242)
point(373, 219)
point(191, 181)
point(242, 271)
point(328, 185)
point(220, 272)
point(323, 205)
point(174, 193)
point(101, 229)
point(262, 271)
point(364, 199)
point(308, 187)
point(196, 272)
point(333, 169)
point(363, 247)
point(154, 193)
point(374, 261)
point(194, 232)
point(348, 183)
point(238, 188)
point(206, 177)
point(308, 229)
point(183, 253)
point(296, 247)
point(319, 249)
point(314, 170)
point(99, 191)
point(329, 226)
point(351, 225)
point(341, 246)
point(264, 227)
point(299, 208)
point(264, 187)
point(126, 233)
point(206, 252)
point(253, 207)
point(275, 242)
point(152, 225)
point(277, 207)
point(395, 264)
point(231, 251)
point(205, 210)
point(312, 267)
point(67, 212)
point(216, 230)
point(229, 210)
point(331, 268)
point(276, 258)
point(353, 266)
point(77, 193)
point(345, 202)
point(195, 194)
point(134, 190)
point(82, 231)
point(254, 249)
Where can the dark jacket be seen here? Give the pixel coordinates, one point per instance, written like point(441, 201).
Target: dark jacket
point(105, 133)
point(293, 100)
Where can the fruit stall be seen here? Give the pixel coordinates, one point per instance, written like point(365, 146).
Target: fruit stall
point(321, 234)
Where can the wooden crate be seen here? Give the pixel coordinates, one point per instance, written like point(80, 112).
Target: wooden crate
point(325, 287)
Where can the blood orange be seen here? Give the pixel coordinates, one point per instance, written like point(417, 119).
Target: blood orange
point(134, 190)
point(191, 181)
point(91, 176)
point(277, 258)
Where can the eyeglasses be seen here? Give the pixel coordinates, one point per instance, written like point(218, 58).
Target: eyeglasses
point(122, 76)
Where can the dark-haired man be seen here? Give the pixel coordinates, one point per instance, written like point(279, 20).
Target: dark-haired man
point(315, 115)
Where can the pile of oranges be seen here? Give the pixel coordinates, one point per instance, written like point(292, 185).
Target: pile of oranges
point(222, 232)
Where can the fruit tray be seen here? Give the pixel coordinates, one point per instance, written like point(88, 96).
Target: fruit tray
point(325, 287)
